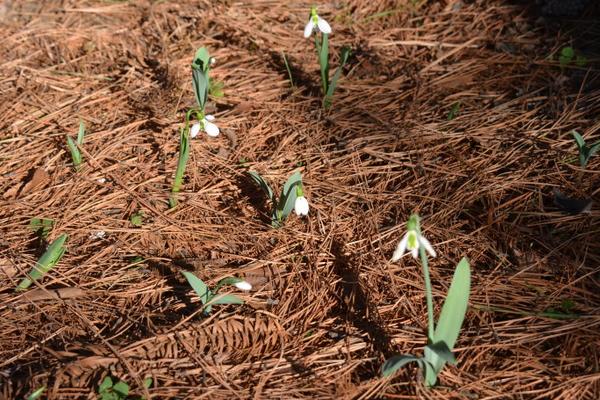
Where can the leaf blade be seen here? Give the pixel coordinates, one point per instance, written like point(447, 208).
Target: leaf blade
point(47, 261)
point(199, 286)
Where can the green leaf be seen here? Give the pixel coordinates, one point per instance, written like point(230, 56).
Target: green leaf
point(287, 66)
point(137, 219)
point(109, 395)
point(324, 62)
point(567, 52)
point(147, 383)
point(200, 82)
point(442, 351)
point(75, 153)
point(263, 185)
point(199, 287)
point(451, 317)
point(201, 59)
point(106, 384)
point(393, 364)
point(345, 53)
point(122, 389)
point(580, 61)
point(226, 299)
point(46, 262)
point(454, 111)
point(288, 195)
point(81, 133)
point(579, 140)
point(184, 154)
point(593, 150)
point(37, 393)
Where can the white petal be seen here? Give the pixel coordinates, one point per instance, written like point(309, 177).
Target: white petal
point(400, 249)
point(323, 25)
point(301, 206)
point(195, 129)
point(209, 117)
point(243, 285)
point(308, 29)
point(415, 252)
point(425, 243)
point(213, 60)
point(211, 129)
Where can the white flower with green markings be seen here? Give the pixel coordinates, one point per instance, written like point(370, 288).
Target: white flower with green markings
point(316, 23)
point(205, 125)
point(411, 241)
point(301, 206)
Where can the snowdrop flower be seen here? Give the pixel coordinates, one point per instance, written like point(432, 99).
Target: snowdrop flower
point(316, 23)
point(412, 240)
point(243, 285)
point(301, 204)
point(205, 125)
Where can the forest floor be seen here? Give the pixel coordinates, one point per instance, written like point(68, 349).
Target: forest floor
point(457, 110)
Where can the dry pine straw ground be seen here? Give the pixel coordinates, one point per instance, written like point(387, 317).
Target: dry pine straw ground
point(328, 307)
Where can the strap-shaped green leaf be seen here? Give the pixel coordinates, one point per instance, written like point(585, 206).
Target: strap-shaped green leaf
point(226, 299)
point(81, 133)
point(263, 185)
point(324, 62)
point(47, 261)
point(199, 287)
point(288, 196)
point(201, 85)
point(451, 318)
point(345, 53)
point(184, 154)
point(75, 154)
point(36, 394)
point(393, 364)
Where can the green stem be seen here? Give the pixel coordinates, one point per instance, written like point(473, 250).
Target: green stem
point(428, 295)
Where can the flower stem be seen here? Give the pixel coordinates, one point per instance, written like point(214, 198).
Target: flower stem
point(428, 295)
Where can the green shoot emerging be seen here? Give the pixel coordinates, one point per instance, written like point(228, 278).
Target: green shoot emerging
point(74, 146)
point(585, 151)
point(46, 262)
point(211, 297)
point(291, 197)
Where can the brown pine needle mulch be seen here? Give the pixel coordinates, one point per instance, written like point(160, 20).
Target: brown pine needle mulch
point(328, 306)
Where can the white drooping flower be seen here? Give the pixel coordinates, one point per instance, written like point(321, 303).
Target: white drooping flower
point(316, 23)
point(243, 285)
point(301, 206)
point(412, 241)
point(205, 125)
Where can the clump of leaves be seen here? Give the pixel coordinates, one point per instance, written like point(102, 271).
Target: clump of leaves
point(441, 337)
point(568, 56)
point(41, 226)
point(291, 194)
point(137, 219)
point(109, 390)
point(46, 262)
point(73, 146)
point(585, 151)
point(210, 297)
